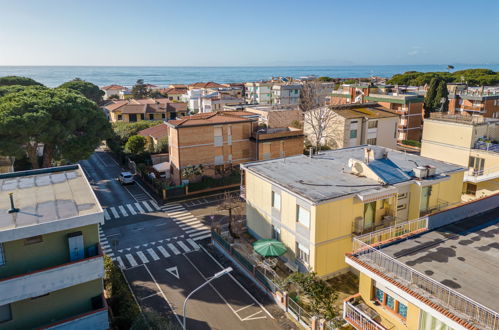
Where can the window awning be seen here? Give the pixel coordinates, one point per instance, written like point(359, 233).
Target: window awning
point(377, 194)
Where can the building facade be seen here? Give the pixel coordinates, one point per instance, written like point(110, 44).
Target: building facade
point(469, 141)
point(258, 92)
point(51, 264)
point(132, 110)
point(285, 94)
point(482, 101)
point(315, 205)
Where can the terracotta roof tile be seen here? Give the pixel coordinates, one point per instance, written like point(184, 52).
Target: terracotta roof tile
point(211, 118)
point(113, 87)
point(209, 84)
point(157, 131)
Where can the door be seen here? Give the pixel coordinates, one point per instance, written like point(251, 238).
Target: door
point(425, 197)
point(75, 244)
point(132, 117)
point(369, 214)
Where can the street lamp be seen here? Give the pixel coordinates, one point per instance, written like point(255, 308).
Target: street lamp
point(217, 275)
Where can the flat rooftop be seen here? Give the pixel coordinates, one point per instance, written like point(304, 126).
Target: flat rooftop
point(463, 256)
point(44, 196)
point(328, 176)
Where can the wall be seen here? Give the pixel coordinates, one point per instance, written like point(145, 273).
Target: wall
point(55, 306)
point(386, 135)
point(52, 251)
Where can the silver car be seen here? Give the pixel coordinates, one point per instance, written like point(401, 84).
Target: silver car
point(126, 178)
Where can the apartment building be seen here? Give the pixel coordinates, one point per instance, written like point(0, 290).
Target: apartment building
point(288, 94)
point(217, 101)
point(469, 141)
point(196, 91)
point(51, 264)
point(132, 110)
point(258, 92)
point(443, 278)
point(407, 104)
point(174, 93)
point(315, 205)
point(219, 140)
point(474, 101)
point(353, 125)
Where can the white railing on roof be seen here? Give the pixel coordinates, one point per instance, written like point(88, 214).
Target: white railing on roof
point(464, 307)
point(358, 319)
point(388, 233)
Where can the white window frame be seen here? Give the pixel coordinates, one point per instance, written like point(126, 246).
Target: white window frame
point(301, 218)
point(276, 202)
point(302, 253)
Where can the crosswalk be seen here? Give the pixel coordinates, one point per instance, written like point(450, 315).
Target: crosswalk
point(125, 210)
point(195, 229)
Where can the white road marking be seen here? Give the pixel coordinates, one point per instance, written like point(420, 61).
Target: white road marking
point(197, 231)
point(120, 262)
point(147, 206)
point(194, 244)
point(142, 257)
point(177, 213)
point(141, 210)
point(190, 221)
point(122, 209)
point(163, 252)
point(175, 208)
point(153, 254)
point(173, 248)
point(106, 215)
point(174, 271)
point(150, 296)
point(131, 260)
point(251, 317)
point(155, 205)
point(183, 246)
point(115, 213)
point(185, 216)
point(130, 207)
point(201, 237)
point(243, 308)
point(197, 225)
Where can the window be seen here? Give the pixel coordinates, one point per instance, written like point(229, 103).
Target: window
point(353, 134)
point(142, 116)
point(120, 117)
point(163, 115)
point(401, 207)
point(372, 124)
point(379, 295)
point(371, 141)
point(151, 116)
point(276, 200)
point(302, 253)
point(5, 313)
point(402, 196)
point(33, 240)
point(276, 233)
point(302, 216)
point(2, 255)
point(477, 164)
point(402, 310)
point(390, 302)
point(471, 189)
point(219, 160)
point(218, 136)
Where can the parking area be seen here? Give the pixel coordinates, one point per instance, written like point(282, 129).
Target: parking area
point(224, 304)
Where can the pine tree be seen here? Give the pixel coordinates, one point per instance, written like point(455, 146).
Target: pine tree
point(441, 93)
point(430, 97)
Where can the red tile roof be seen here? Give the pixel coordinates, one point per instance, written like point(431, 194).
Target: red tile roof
point(156, 132)
point(174, 91)
point(209, 84)
point(147, 106)
point(113, 87)
point(212, 118)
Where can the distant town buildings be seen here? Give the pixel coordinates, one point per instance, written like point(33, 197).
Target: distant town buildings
point(315, 205)
point(469, 141)
point(51, 263)
point(144, 109)
point(113, 90)
point(466, 100)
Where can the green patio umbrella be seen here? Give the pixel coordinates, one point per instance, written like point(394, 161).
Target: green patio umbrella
point(269, 248)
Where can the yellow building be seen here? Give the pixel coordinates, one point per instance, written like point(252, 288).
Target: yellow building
point(469, 141)
point(315, 205)
point(444, 278)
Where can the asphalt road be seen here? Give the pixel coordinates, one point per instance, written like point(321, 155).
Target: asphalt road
point(160, 249)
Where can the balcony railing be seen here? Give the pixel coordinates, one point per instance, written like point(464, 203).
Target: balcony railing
point(359, 319)
point(474, 175)
point(487, 146)
point(464, 307)
point(478, 107)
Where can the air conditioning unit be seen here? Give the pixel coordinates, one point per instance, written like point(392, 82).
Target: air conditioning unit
point(420, 172)
point(358, 225)
point(432, 170)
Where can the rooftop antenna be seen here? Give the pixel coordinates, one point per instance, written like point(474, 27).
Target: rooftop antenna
point(13, 209)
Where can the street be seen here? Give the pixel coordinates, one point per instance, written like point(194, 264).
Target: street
point(161, 250)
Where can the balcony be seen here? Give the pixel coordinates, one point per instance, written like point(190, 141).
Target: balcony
point(487, 146)
point(359, 315)
point(45, 280)
point(476, 176)
point(96, 318)
point(474, 108)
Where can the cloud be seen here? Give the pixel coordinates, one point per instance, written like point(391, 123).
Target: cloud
point(416, 50)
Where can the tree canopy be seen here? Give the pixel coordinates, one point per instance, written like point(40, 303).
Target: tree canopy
point(135, 145)
point(89, 90)
point(473, 77)
point(436, 93)
point(68, 125)
point(140, 90)
point(16, 80)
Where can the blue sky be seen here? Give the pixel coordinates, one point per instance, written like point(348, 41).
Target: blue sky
point(226, 33)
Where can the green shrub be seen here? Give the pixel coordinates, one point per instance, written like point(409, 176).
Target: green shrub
point(412, 143)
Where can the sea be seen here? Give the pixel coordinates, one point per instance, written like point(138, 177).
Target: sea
point(53, 76)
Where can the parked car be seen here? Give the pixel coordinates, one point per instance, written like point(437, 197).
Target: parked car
point(126, 178)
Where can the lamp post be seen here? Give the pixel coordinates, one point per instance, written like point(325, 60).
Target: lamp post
point(217, 275)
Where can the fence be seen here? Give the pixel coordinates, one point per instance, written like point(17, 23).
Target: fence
point(290, 306)
point(388, 233)
point(358, 318)
point(473, 312)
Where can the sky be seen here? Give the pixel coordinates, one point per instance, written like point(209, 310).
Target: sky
point(240, 33)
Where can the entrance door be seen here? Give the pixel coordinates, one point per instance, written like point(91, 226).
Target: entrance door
point(132, 117)
point(75, 243)
point(369, 215)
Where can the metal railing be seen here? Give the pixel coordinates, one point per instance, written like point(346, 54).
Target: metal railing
point(299, 313)
point(468, 309)
point(358, 319)
point(481, 145)
point(487, 174)
point(388, 233)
